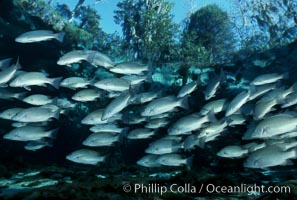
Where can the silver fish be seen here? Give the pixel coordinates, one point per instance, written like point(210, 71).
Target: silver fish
point(129, 68)
point(268, 78)
point(38, 144)
point(290, 100)
point(157, 123)
point(39, 35)
point(101, 139)
point(38, 99)
point(87, 95)
point(99, 59)
point(74, 83)
point(165, 145)
point(232, 152)
point(187, 89)
point(262, 108)
point(8, 73)
point(95, 117)
point(174, 160)
point(107, 128)
point(113, 84)
point(213, 129)
point(189, 123)
point(149, 161)
point(275, 125)
point(144, 97)
point(134, 79)
point(269, 157)
point(116, 106)
point(30, 133)
point(237, 102)
point(260, 90)
point(163, 105)
point(140, 133)
point(76, 56)
point(37, 114)
point(85, 156)
point(10, 113)
point(235, 119)
point(34, 78)
point(215, 106)
point(213, 86)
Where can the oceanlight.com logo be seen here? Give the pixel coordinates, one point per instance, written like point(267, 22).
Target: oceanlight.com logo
point(155, 188)
point(249, 189)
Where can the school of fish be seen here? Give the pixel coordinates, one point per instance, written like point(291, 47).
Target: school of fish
point(266, 111)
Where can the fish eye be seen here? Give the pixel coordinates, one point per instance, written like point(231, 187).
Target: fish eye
point(256, 162)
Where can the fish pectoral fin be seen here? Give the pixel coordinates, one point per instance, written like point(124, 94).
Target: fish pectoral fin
point(27, 88)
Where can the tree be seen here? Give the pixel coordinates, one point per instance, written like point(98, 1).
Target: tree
point(209, 32)
point(147, 27)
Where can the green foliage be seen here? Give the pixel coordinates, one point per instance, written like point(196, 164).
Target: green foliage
point(147, 27)
point(89, 19)
point(207, 37)
point(193, 53)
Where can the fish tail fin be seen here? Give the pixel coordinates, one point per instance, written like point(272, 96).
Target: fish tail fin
point(122, 138)
point(286, 75)
point(53, 133)
point(123, 135)
point(60, 36)
point(49, 143)
point(56, 82)
point(189, 161)
point(184, 103)
point(20, 96)
point(211, 116)
point(294, 151)
point(201, 142)
point(55, 101)
point(92, 81)
point(125, 132)
point(64, 111)
point(100, 160)
point(57, 115)
point(134, 89)
point(294, 87)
